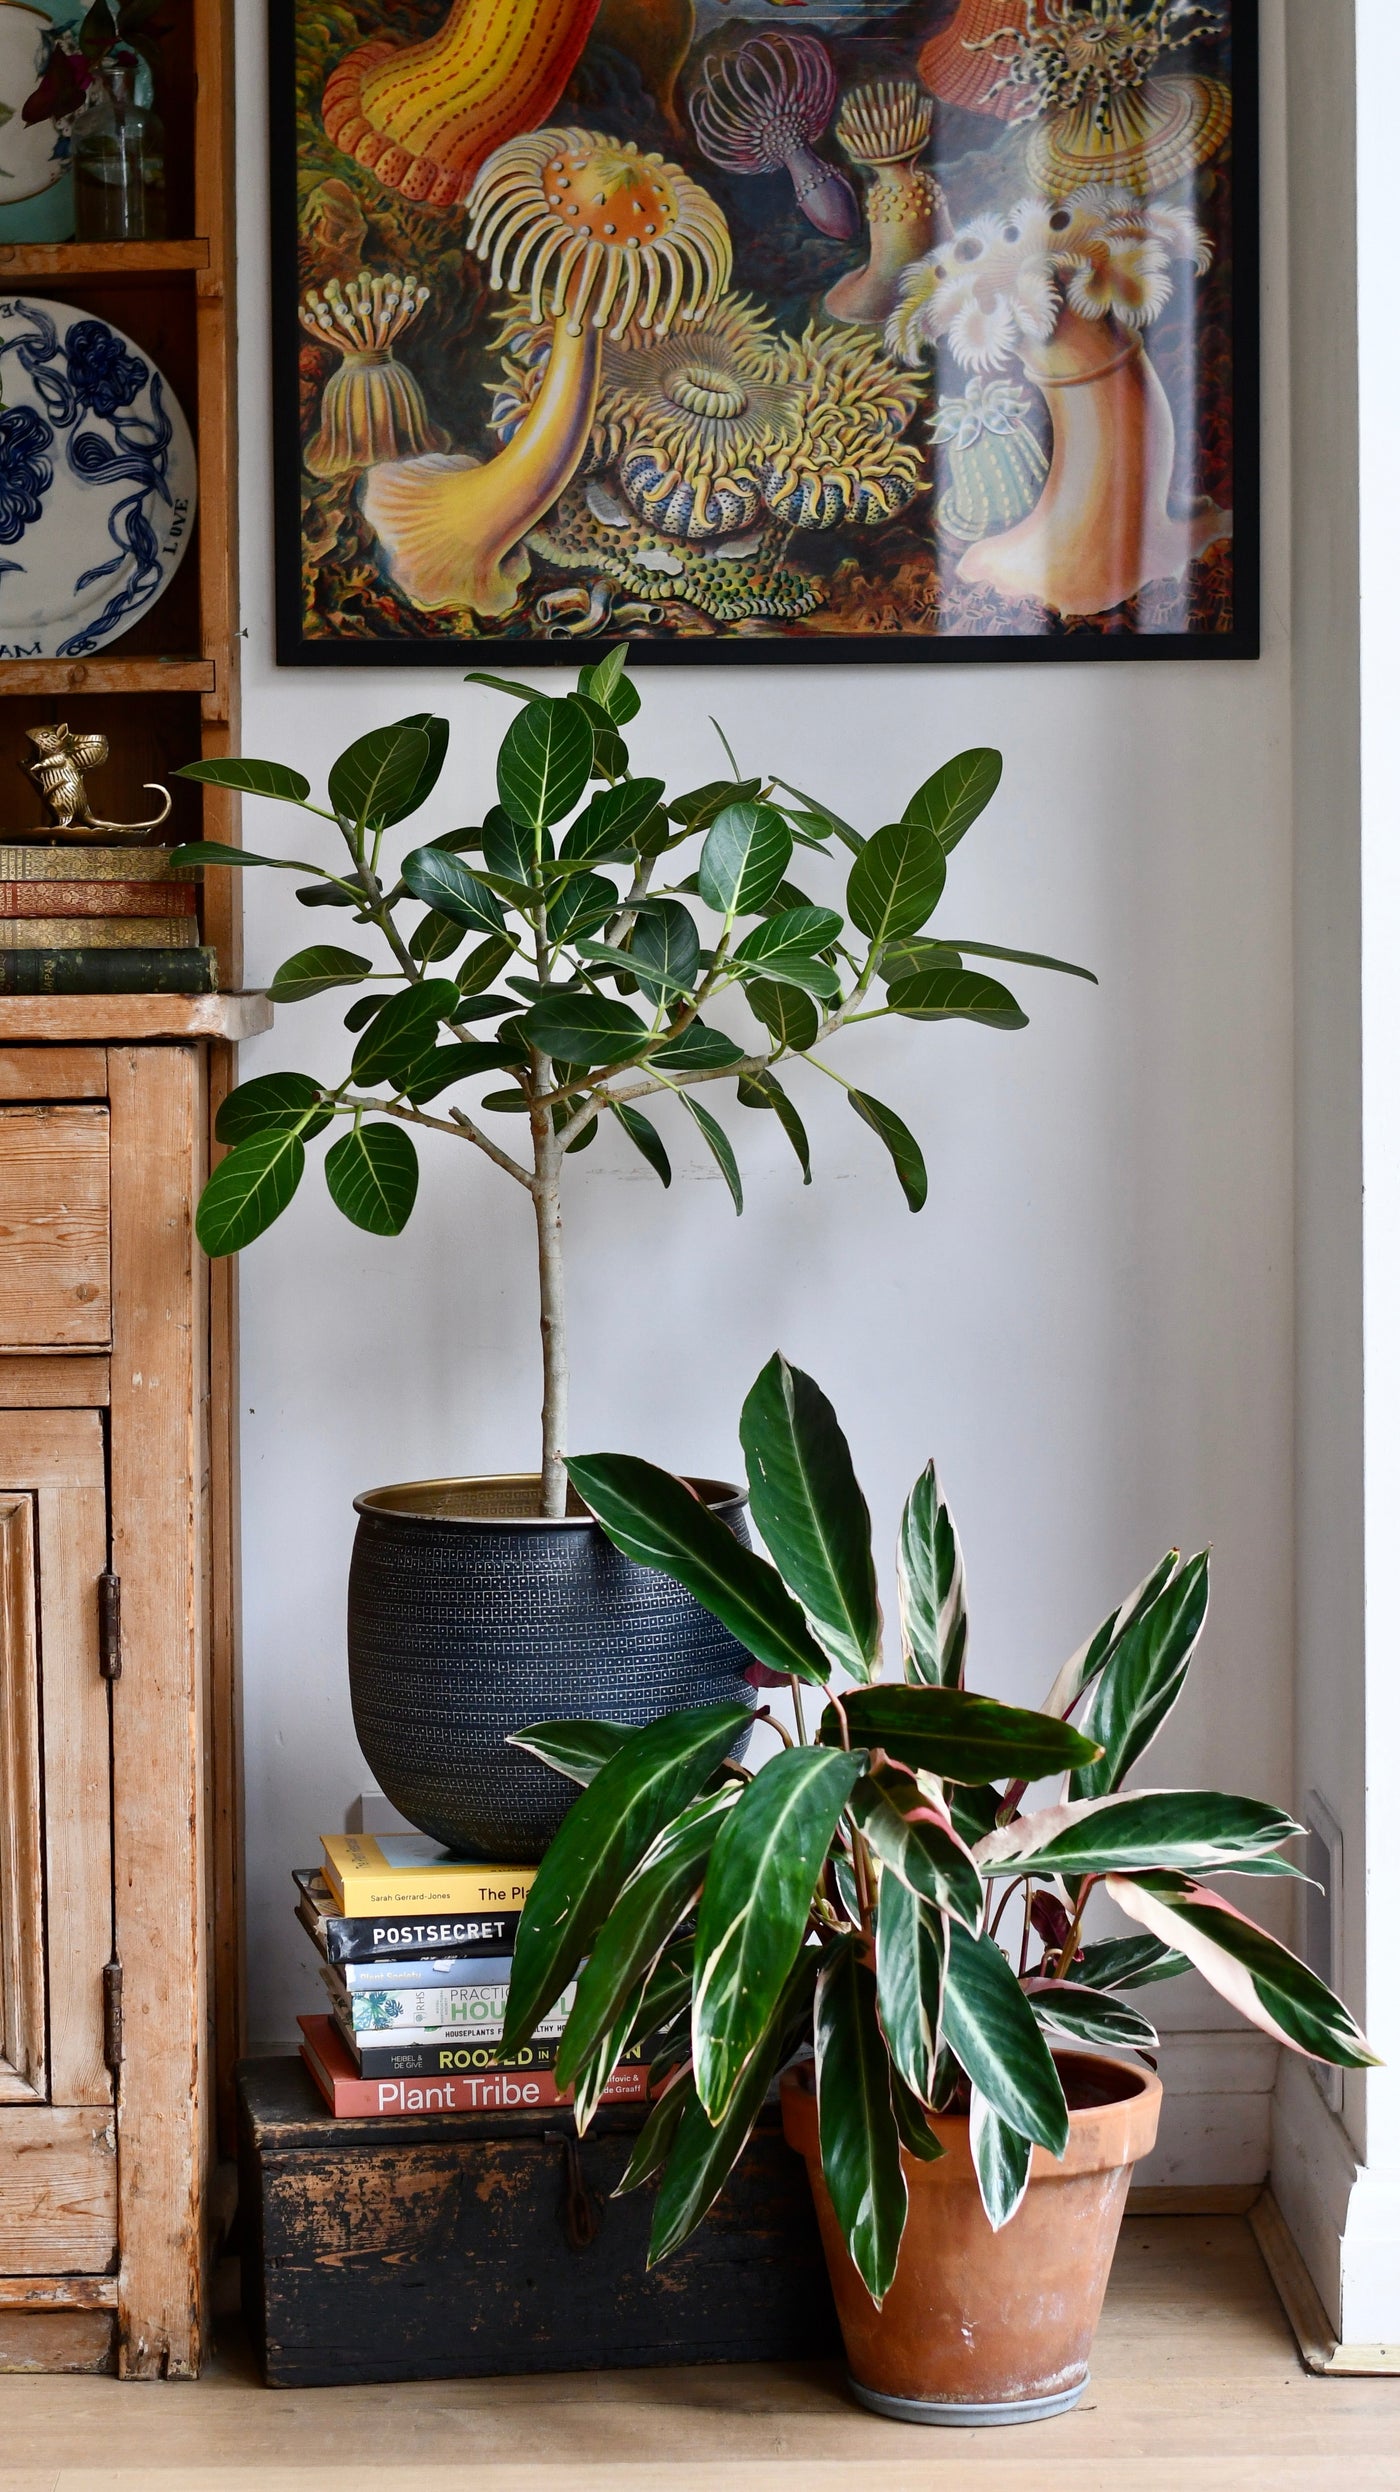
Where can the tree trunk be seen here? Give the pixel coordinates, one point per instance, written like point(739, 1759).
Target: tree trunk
point(554, 1416)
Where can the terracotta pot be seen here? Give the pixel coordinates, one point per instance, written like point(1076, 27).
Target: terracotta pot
point(981, 2326)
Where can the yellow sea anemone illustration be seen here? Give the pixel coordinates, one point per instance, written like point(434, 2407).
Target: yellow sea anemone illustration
point(594, 235)
point(886, 128)
point(372, 408)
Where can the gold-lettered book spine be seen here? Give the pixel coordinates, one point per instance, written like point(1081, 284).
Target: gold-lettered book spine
point(98, 934)
point(30, 861)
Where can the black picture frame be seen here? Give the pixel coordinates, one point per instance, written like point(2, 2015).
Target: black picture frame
point(1075, 648)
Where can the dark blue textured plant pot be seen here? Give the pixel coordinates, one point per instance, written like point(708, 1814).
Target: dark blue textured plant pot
point(470, 1618)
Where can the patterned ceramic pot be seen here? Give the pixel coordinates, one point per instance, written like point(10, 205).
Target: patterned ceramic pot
point(471, 1616)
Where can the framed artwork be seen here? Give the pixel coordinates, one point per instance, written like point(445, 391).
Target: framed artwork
point(769, 329)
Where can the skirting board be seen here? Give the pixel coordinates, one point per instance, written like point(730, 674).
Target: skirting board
point(1303, 2306)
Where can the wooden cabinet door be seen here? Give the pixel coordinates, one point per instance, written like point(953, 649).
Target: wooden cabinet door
point(57, 2138)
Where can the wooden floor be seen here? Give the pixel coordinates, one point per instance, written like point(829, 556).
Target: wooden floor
point(1196, 2388)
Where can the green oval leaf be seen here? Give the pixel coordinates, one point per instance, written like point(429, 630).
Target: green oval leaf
point(966, 1739)
point(932, 1589)
point(545, 762)
point(949, 803)
point(249, 778)
point(508, 848)
point(721, 1147)
point(399, 1037)
point(857, 2125)
point(767, 1858)
point(808, 1506)
point(376, 779)
point(248, 1190)
point(1142, 1679)
point(218, 852)
point(442, 882)
point(1127, 1963)
point(1083, 2014)
point(608, 685)
point(311, 972)
point(372, 1173)
point(655, 1775)
point(579, 1749)
point(273, 1103)
point(917, 1843)
point(607, 828)
point(698, 1049)
point(897, 881)
point(911, 1946)
point(586, 901)
point(657, 1520)
point(788, 1015)
point(585, 1029)
point(665, 951)
point(792, 968)
point(943, 992)
point(641, 1130)
point(747, 852)
point(899, 1142)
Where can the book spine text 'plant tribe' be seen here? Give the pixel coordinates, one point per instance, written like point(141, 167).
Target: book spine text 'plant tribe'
point(397, 1874)
point(353, 2097)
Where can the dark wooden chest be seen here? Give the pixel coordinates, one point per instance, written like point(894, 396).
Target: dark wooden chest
point(450, 2248)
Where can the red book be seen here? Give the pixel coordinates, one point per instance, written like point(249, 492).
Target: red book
point(353, 2097)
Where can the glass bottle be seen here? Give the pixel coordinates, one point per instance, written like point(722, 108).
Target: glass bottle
point(118, 160)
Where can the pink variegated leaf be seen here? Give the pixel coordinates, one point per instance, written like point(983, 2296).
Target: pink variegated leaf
point(1263, 1979)
point(1085, 1665)
point(1190, 1830)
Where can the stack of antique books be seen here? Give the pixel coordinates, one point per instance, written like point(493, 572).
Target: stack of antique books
point(416, 1951)
point(89, 920)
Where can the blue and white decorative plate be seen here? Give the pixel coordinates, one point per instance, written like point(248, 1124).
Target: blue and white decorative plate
point(97, 481)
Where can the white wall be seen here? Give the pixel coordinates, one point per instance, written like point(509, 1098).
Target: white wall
point(1091, 1324)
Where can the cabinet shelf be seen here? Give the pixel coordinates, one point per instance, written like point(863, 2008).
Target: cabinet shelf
point(38, 678)
point(69, 260)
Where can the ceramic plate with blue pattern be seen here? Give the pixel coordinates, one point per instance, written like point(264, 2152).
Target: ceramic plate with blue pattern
point(97, 481)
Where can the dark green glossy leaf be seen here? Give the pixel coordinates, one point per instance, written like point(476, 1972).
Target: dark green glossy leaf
point(1001, 2158)
point(475, 973)
point(585, 1029)
point(1027, 960)
point(545, 762)
point(720, 1145)
point(586, 1134)
point(949, 803)
point(1080, 2013)
point(364, 1008)
point(1127, 1963)
point(657, 1520)
point(586, 902)
point(851, 838)
point(763, 1090)
point(911, 2120)
point(608, 685)
point(578, 1749)
point(1139, 1684)
point(762, 1876)
point(911, 1947)
point(1083, 1667)
point(1264, 1980)
point(502, 683)
point(898, 1141)
point(250, 778)
point(511, 850)
point(665, 951)
point(974, 1808)
point(218, 852)
point(372, 1173)
point(788, 1014)
point(896, 882)
point(438, 733)
point(747, 851)
point(404, 1032)
point(248, 1190)
point(804, 929)
point(808, 1506)
point(917, 1844)
point(859, 2133)
point(311, 972)
point(608, 825)
point(698, 1050)
point(968, 1739)
point(1190, 1830)
point(703, 805)
point(657, 1896)
point(437, 1071)
point(609, 751)
point(791, 968)
point(944, 992)
point(435, 937)
point(273, 1103)
point(375, 782)
point(658, 2136)
point(637, 1792)
point(932, 1588)
point(657, 985)
point(640, 1129)
point(704, 2154)
point(989, 2026)
point(657, 2000)
point(442, 882)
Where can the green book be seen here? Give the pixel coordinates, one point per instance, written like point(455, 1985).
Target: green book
point(90, 972)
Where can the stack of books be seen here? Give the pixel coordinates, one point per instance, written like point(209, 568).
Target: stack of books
point(416, 1951)
point(85, 920)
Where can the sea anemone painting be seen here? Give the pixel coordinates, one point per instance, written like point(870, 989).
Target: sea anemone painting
point(1068, 290)
point(807, 326)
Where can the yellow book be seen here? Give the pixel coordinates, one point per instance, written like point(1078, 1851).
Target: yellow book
point(370, 1873)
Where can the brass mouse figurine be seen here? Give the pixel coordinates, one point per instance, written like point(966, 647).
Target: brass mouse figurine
point(58, 774)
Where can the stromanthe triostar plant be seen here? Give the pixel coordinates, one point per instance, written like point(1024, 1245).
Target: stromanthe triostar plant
point(849, 1897)
point(567, 973)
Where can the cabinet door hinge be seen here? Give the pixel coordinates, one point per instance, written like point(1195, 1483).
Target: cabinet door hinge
point(112, 2014)
point(109, 1625)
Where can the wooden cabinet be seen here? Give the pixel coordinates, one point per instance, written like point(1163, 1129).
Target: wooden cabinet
point(117, 1781)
